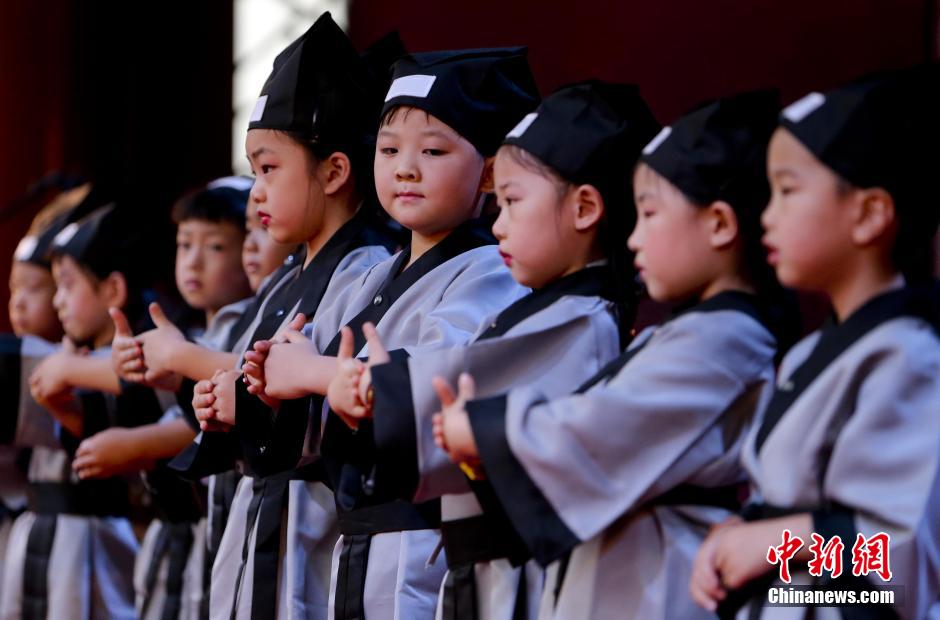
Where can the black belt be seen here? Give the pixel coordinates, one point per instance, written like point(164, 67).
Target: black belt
point(726, 497)
point(268, 502)
point(481, 539)
point(96, 498)
point(358, 527)
point(397, 516)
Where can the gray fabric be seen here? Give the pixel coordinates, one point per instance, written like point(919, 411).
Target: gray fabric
point(217, 331)
point(884, 461)
point(675, 414)
point(90, 568)
point(554, 350)
point(35, 425)
point(443, 309)
point(192, 575)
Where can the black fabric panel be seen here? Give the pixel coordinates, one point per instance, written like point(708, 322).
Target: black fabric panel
point(10, 376)
point(533, 517)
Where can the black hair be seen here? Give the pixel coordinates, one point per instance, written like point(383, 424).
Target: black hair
point(360, 158)
point(613, 230)
point(219, 204)
point(748, 195)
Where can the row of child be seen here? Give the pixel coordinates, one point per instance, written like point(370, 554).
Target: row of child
point(579, 469)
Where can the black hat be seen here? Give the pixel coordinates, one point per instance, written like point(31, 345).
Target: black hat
point(586, 127)
point(319, 90)
point(718, 151)
point(379, 58)
point(35, 248)
point(102, 241)
point(480, 93)
point(869, 132)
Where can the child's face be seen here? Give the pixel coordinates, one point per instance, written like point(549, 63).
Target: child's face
point(31, 310)
point(286, 189)
point(209, 271)
point(671, 241)
point(427, 176)
point(535, 230)
point(81, 303)
point(261, 254)
point(808, 227)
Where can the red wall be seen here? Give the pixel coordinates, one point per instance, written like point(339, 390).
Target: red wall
point(680, 52)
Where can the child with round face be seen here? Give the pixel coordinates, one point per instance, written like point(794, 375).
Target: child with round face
point(591, 470)
point(564, 218)
point(847, 449)
point(209, 236)
point(261, 254)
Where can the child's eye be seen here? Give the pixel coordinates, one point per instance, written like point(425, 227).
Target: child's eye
point(647, 213)
point(266, 169)
point(786, 190)
point(388, 150)
point(183, 245)
point(217, 247)
point(434, 152)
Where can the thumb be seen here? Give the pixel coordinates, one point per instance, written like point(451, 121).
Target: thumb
point(298, 322)
point(121, 326)
point(444, 391)
point(377, 352)
point(159, 319)
point(346, 343)
point(466, 387)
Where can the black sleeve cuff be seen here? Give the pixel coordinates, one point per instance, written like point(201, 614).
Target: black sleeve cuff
point(136, 405)
point(394, 429)
point(10, 382)
point(184, 398)
point(215, 453)
point(533, 517)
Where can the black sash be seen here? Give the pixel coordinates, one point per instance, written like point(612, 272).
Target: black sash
point(349, 455)
point(833, 341)
point(174, 542)
point(587, 282)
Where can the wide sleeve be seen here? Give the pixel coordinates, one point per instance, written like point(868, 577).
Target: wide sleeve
point(567, 468)
point(883, 469)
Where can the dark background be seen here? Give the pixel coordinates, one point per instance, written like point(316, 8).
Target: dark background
point(139, 94)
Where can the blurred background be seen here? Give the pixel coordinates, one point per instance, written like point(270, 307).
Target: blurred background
point(154, 97)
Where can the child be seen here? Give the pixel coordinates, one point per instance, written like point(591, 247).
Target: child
point(209, 275)
point(75, 528)
point(848, 445)
point(33, 318)
point(444, 117)
point(563, 226)
point(261, 254)
point(622, 479)
point(308, 148)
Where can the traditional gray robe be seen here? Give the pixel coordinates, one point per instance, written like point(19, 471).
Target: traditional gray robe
point(552, 339)
point(859, 448)
point(622, 475)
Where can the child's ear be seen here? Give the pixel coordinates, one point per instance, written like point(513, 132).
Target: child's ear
point(875, 215)
point(589, 207)
point(722, 224)
point(336, 170)
point(114, 290)
point(487, 182)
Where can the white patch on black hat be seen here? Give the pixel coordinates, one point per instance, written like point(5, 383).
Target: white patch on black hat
point(236, 182)
point(411, 86)
point(258, 110)
point(800, 109)
point(659, 139)
point(523, 125)
point(25, 248)
point(65, 235)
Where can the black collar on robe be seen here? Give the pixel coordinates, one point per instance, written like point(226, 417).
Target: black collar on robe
point(311, 282)
point(588, 282)
point(466, 237)
point(836, 338)
point(738, 301)
point(349, 456)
